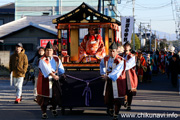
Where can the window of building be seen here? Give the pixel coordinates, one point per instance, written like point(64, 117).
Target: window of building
point(28, 46)
point(1, 21)
point(45, 13)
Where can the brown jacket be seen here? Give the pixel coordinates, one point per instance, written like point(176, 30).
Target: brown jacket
point(18, 64)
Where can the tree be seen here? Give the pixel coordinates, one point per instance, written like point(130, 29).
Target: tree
point(163, 43)
point(137, 42)
point(153, 44)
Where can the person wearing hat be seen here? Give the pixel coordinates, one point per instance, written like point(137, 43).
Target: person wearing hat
point(18, 65)
point(92, 47)
point(112, 69)
point(48, 84)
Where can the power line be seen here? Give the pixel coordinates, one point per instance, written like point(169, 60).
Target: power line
point(142, 7)
point(172, 9)
point(149, 17)
point(155, 19)
point(124, 6)
point(157, 7)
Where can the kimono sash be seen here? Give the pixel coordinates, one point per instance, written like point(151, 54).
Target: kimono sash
point(44, 85)
point(119, 86)
point(132, 80)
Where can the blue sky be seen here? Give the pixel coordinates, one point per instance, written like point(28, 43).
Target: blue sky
point(158, 11)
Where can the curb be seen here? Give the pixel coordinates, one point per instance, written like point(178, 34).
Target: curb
point(4, 78)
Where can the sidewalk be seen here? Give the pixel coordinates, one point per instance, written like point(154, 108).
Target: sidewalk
point(4, 78)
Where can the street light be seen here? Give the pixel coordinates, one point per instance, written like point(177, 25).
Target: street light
point(110, 6)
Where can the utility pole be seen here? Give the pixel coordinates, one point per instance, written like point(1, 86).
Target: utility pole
point(158, 42)
point(99, 6)
point(145, 36)
point(140, 35)
point(133, 26)
point(113, 12)
point(103, 7)
point(61, 7)
point(176, 16)
point(155, 41)
point(144, 29)
point(150, 36)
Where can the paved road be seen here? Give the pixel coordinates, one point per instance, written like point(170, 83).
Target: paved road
point(156, 100)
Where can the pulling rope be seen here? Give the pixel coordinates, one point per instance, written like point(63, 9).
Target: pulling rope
point(87, 90)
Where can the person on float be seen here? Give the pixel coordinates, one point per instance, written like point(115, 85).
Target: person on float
point(92, 47)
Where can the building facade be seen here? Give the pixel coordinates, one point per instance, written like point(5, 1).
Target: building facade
point(29, 31)
point(52, 7)
point(7, 13)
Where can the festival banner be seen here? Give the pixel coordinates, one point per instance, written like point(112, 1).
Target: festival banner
point(126, 28)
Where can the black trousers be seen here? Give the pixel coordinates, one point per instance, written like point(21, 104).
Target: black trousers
point(129, 97)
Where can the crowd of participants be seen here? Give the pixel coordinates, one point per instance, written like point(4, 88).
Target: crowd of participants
point(150, 63)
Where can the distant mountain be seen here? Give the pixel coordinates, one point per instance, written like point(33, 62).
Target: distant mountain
point(168, 36)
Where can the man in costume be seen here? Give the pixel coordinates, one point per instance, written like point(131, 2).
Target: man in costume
point(141, 66)
point(112, 69)
point(48, 84)
point(131, 77)
point(92, 47)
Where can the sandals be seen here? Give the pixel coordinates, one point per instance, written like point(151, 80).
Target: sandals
point(44, 116)
point(115, 117)
point(125, 104)
point(110, 112)
point(128, 108)
point(54, 113)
